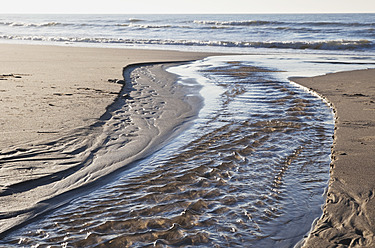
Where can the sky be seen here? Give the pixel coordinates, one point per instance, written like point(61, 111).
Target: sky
point(186, 6)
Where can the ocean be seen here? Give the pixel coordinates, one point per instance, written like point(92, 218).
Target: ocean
point(235, 33)
point(252, 168)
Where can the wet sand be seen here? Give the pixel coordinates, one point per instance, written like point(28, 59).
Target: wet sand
point(349, 212)
point(57, 108)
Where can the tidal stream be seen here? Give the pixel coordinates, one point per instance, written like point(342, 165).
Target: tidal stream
point(250, 171)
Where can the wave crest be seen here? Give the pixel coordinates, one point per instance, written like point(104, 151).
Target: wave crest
point(135, 20)
point(23, 24)
point(235, 23)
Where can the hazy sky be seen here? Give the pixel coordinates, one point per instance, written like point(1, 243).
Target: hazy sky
point(187, 6)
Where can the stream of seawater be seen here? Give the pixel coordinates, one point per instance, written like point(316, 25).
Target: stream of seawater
point(249, 172)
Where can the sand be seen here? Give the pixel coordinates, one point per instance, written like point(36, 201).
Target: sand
point(62, 81)
point(69, 119)
point(349, 212)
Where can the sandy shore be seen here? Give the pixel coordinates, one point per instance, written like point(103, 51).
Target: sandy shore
point(67, 121)
point(62, 81)
point(59, 107)
point(349, 212)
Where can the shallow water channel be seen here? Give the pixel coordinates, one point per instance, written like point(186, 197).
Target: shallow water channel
point(251, 169)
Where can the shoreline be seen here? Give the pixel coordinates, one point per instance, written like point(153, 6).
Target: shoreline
point(349, 206)
point(61, 104)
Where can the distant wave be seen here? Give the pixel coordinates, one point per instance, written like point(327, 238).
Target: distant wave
point(200, 24)
point(22, 24)
point(132, 23)
point(301, 45)
point(56, 24)
point(262, 23)
point(235, 23)
point(144, 26)
point(129, 21)
point(336, 24)
point(135, 20)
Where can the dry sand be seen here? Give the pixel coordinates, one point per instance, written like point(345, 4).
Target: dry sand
point(63, 125)
point(348, 218)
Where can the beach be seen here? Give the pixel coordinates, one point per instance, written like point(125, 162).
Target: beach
point(53, 103)
point(348, 214)
point(73, 118)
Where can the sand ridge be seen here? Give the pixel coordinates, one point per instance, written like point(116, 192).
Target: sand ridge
point(348, 214)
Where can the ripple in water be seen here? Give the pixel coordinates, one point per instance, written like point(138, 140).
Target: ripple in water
point(251, 171)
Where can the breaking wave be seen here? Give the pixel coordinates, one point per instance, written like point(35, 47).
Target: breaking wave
point(300, 45)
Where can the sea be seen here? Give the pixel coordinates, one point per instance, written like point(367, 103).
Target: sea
point(251, 169)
